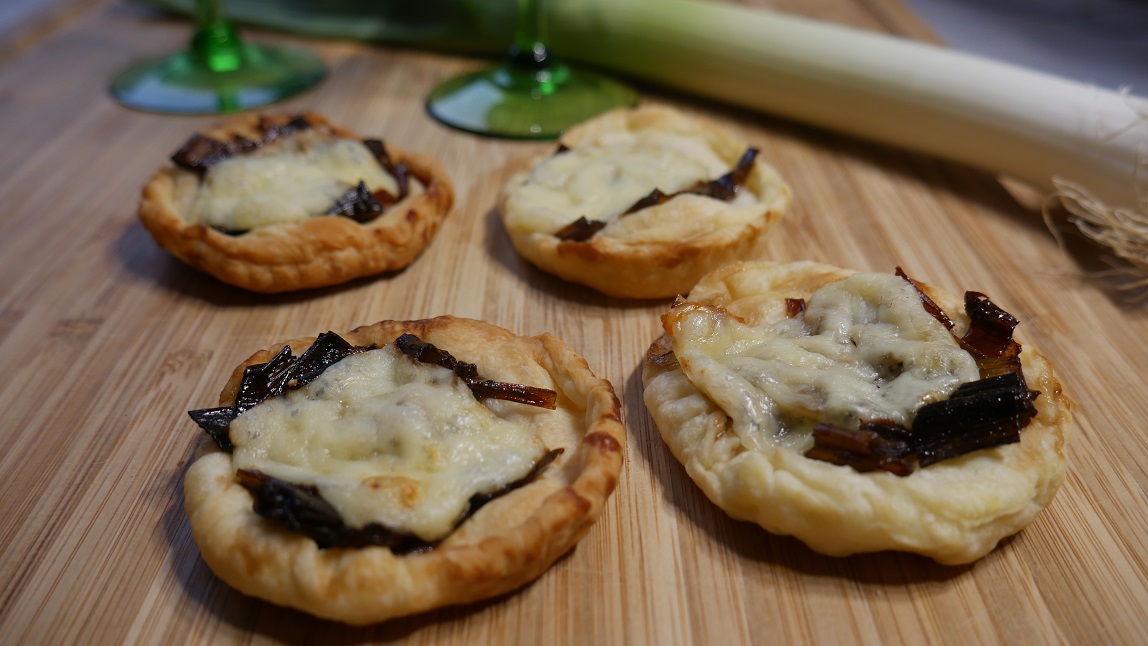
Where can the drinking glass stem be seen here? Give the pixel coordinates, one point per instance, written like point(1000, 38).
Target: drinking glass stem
point(529, 53)
point(216, 44)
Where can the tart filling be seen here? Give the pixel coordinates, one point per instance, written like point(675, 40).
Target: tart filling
point(387, 440)
point(603, 180)
point(387, 446)
point(286, 181)
point(864, 349)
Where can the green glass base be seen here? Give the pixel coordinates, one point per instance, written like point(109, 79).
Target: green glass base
point(181, 84)
point(506, 101)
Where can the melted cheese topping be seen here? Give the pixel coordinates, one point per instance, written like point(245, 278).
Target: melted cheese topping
point(600, 180)
point(387, 440)
point(286, 181)
point(864, 349)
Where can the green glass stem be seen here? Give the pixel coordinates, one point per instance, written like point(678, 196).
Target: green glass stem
point(217, 72)
point(531, 95)
point(217, 47)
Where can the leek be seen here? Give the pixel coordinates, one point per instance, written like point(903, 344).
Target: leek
point(1084, 143)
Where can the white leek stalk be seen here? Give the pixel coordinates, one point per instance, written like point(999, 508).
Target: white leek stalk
point(1041, 129)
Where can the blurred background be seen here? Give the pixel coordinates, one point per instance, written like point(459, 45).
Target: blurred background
point(1102, 42)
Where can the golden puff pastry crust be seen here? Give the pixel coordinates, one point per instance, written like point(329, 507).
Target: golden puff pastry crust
point(315, 251)
point(602, 167)
point(507, 543)
point(954, 511)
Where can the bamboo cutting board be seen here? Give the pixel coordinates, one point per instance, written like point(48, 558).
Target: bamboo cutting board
point(105, 342)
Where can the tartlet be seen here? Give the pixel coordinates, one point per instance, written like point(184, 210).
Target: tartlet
point(640, 203)
point(511, 539)
point(276, 203)
point(742, 382)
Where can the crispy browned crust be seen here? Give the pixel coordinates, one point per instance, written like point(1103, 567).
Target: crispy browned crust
point(509, 542)
point(954, 511)
point(633, 267)
point(320, 251)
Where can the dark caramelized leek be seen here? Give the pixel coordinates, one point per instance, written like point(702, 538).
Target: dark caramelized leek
point(655, 198)
point(725, 188)
point(216, 422)
point(302, 509)
point(358, 203)
point(978, 415)
point(930, 305)
point(420, 350)
point(285, 372)
point(399, 170)
point(200, 152)
point(273, 130)
point(989, 337)
point(864, 450)
point(265, 380)
point(580, 230)
point(362, 204)
point(479, 499)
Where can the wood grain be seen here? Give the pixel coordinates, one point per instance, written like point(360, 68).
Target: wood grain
point(105, 341)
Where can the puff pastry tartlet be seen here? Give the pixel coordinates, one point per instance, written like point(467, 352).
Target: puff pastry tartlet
point(640, 203)
point(275, 203)
point(836, 407)
point(445, 496)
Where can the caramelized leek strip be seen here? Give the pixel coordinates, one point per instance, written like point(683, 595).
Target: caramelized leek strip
point(200, 152)
point(399, 170)
point(265, 380)
point(362, 204)
point(420, 350)
point(725, 188)
point(863, 450)
point(580, 230)
point(979, 414)
point(930, 305)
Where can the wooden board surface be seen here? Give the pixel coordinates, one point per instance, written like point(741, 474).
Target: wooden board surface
point(105, 341)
